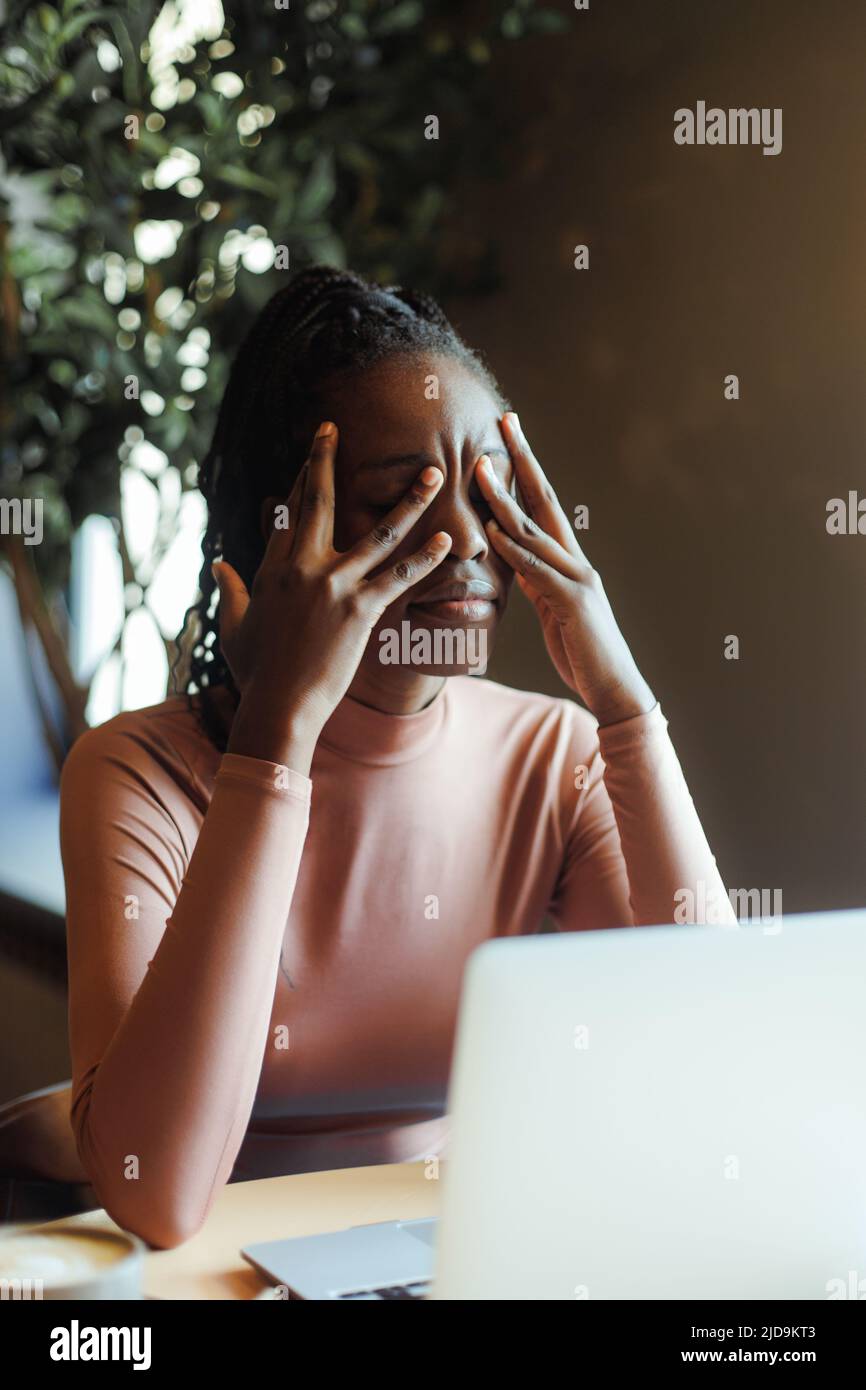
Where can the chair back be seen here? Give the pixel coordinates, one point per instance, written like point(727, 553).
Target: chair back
point(41, 1175)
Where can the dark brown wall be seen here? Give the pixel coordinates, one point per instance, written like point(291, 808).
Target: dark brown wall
point(707, 517)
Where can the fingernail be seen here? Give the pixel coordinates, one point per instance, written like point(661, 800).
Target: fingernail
point(324, 429)
point(515, 419)
point(484, 461)
point(430, 475)
point(213, 570)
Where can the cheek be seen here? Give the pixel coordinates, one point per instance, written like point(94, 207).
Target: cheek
point(504, 572)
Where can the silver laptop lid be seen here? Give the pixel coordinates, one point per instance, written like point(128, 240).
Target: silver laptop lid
point(662, 1112)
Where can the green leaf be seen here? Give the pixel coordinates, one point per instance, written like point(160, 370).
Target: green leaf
point(403, 16)
point(214, 110)
point(131, 70)
point(77, 25)
point(353, 26)
point(239, 177)
point(547, 22)
point(318, 190)
point(88, 313)
point(48, 18)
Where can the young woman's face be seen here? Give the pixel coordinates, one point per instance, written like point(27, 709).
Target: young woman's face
point(395, 419)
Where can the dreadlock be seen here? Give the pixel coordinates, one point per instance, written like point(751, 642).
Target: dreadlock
point(325, 323)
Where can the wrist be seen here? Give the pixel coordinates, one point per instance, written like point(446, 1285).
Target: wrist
point(614, 706)
point(286, 737)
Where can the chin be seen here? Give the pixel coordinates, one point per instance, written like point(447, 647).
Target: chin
point(448, 671)
point(436, 647)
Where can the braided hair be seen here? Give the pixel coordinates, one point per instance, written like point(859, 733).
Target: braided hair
point(324, 325)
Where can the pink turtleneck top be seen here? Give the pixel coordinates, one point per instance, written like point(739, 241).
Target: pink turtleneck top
point(264, 967)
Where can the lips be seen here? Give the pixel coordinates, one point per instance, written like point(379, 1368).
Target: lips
point(459, 591)
point(459, 601)
point(473, 610)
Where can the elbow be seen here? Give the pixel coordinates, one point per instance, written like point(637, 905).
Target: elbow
point(160, 1225)
point(163, 1220)
point(167, 1234)
point(164, 1210)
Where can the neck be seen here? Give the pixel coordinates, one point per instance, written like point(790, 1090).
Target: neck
point(399, 690)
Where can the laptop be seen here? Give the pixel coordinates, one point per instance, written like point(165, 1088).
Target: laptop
point(646, 1113)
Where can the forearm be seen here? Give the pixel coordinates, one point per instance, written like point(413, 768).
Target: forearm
point(668, 860)
point(163, 1115)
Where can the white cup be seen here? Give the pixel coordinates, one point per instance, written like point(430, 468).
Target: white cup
point(69, 1260)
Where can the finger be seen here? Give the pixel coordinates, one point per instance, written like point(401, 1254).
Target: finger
point(517, 524)
point(391, 530)
point(295, 498)
point(545, 580)
point(542, 503)
point(316, 519)
point(400, 576)
point(234, 597)
point(529, 589)
point(285, 520)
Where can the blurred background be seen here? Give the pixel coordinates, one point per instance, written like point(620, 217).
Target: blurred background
point(165, 166)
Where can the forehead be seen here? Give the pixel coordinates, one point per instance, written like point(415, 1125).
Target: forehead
point(412, 402)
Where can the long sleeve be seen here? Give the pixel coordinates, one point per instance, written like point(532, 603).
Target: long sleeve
point(636, 853)
point(173, 945)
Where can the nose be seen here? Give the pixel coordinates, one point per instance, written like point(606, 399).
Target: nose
point(454, 511)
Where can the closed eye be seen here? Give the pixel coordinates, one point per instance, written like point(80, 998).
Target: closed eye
point(382, 508)
point(476, 497)
point(480, 504)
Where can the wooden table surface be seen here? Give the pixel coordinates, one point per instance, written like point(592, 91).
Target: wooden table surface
point(210, 1264)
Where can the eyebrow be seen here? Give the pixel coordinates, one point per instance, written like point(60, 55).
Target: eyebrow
point(419, 460)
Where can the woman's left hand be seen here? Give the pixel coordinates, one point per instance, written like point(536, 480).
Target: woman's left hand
point(584, 642)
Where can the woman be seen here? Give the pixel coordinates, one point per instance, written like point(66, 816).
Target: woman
point(274, 882)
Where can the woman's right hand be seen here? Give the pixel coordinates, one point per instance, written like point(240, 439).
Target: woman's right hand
point(294, 643)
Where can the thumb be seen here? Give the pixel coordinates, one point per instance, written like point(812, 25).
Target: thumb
point(234, 598)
